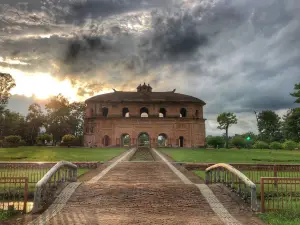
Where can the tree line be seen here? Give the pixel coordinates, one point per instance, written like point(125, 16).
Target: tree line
point(59, 118)
point(273, 131)
point(62, 117)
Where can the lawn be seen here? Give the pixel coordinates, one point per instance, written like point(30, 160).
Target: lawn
point(281, 218)
point(44, 154)
point(256, 156)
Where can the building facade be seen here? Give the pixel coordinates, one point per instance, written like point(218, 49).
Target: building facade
point(144, 117)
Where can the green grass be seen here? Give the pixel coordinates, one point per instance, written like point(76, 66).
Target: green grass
point(266, 156)
point(281, 218)
point(44, 154)
point(4, 215)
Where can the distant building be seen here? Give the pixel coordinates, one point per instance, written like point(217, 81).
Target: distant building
point(144, 117)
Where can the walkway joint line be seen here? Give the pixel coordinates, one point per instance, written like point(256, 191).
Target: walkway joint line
point(106, 170)
point(184, 179)
point(57, 205)
point(212, 200)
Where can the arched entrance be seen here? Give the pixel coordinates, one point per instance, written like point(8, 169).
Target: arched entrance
point(162, 140)
point(125, 140)
point(181, 139)
point(143, 139)
point(105, 140)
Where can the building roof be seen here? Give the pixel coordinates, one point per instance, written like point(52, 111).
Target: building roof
point(144, 94)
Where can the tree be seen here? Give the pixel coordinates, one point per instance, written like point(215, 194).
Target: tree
point(35, 120)
point(215, 141)
point(269, 126)
point(6, 84)
point(58, 117)
point(291, 125)
point(12, 124)
point(76, 118)
point(296, 93)
point(225, 120)
point(238, 142)
point(64, 118)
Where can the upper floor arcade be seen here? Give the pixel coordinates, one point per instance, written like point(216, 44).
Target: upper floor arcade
point(144, 104)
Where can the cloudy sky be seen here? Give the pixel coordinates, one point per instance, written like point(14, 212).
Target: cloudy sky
point(236, 55)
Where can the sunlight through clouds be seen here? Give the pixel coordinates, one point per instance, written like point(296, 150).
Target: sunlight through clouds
point(43, 86)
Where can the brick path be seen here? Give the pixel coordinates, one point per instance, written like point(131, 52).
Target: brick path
point(142, 193)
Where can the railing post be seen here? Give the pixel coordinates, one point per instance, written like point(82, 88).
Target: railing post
point(253, 199)
point(207, 176)
point(75, 174)
point(262, 195)
point(275, 175)
point(37, 199)
point(218, 175)
point(215, 175)
point(25, 195)
point(59, 176)
point(232, 181)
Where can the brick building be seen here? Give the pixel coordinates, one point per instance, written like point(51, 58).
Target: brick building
point(144, 117)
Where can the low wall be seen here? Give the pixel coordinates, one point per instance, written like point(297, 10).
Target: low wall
point(90, 165)
point(243, 166)
point(128, 157)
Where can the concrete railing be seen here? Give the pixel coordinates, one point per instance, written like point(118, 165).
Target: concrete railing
point(59, 174)
point(233, 178)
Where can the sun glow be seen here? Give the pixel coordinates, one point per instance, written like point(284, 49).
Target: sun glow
point(43, 86)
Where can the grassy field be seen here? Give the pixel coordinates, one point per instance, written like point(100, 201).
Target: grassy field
point(40, 154)
point(281, 218)
point(233, 155)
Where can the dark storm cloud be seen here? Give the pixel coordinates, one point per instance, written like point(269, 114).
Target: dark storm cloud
point(236, 55)
point(104, 8)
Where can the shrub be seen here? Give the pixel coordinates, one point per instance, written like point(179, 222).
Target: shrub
point(238, 142)
point(290, 145)
point(42, 138)
point(275, 145)
point(68, 139)
point(260, 145)
point(22, 143)
point(11, 141)
point(216, 141)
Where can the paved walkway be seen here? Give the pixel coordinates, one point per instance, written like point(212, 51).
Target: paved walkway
point(139, 193)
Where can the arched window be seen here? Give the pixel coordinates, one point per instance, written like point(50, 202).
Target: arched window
point(125, 112)
point(197, 113)
point(105, 112)
point(162, 140)
point(144, 112)
point(162, 112)
point(182, 112)
point(105, 140)
point(125, 140)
